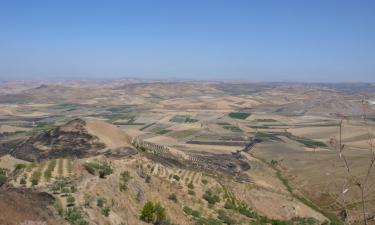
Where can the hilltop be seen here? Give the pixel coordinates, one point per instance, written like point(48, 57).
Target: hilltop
point(77, 138)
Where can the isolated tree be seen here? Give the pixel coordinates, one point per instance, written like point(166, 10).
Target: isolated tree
point(147, 213)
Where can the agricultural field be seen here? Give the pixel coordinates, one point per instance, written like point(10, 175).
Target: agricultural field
point(194, 152)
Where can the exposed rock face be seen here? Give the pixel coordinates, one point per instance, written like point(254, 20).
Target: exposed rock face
point(71, 139)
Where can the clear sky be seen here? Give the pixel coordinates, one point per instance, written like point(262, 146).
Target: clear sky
point(265, 40)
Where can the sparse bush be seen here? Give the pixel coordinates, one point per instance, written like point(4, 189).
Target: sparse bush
point(187, 210)
point(90, 167)
point(105, 211)
point(35, 177)
point(229, 205)
point(246, 212)
point(3, 176)
point(148, 179)
point(74, 216)
point(23, 181)
point(147, 213)
point(191, 185)
point(3, 179)
point(100, 202)
point(173, 197)
point(19, 166)
point(176, 177)
point(48, 173)
point(153, 213)
point(223, 216)
point(103, 169)
point(70, 201)
point(191, 192)
point(124, 179)
point(204, 181)
point(210, 197)
point(195, 213)
point(160, 215)
point(205, 221)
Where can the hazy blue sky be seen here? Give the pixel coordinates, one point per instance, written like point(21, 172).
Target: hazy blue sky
point(280, 40)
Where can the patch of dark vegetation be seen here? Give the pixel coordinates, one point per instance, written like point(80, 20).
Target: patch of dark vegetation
point(267, 136)
point(48, 172)
point(191, 212)
point(310, 143)
point(147, 126)
point(259, 126)
point(176, 177)
point(102, 169)
point(183, 119)
point(173, 197)
point(222, 143)
point(232, 128)
point(223, 123)
point(128, 123)
point(161, 132)
point(124, 179)
point(74, 216)
point(210, 197)
point(265, 120)
point(239, 115)
point(154, 213)
point(3, 176)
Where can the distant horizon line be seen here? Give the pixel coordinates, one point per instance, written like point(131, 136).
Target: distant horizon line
point(181, 80)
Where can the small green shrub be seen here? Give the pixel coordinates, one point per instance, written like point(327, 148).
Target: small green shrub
point(210, 197)
point(204, 181)
point(74, 216)
point(173, 197)
point(187, 210)
point(103, 169)
point(191, 185)
point(176, 177)
point(3, 179)
point(70, 201)
point(153, 213)
point(19, 166)
point(223, 216)
point(124, 179)
point(229, 205)
point(35, 177)
point(23, 181)
point(105, 211)
point(100, 202)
